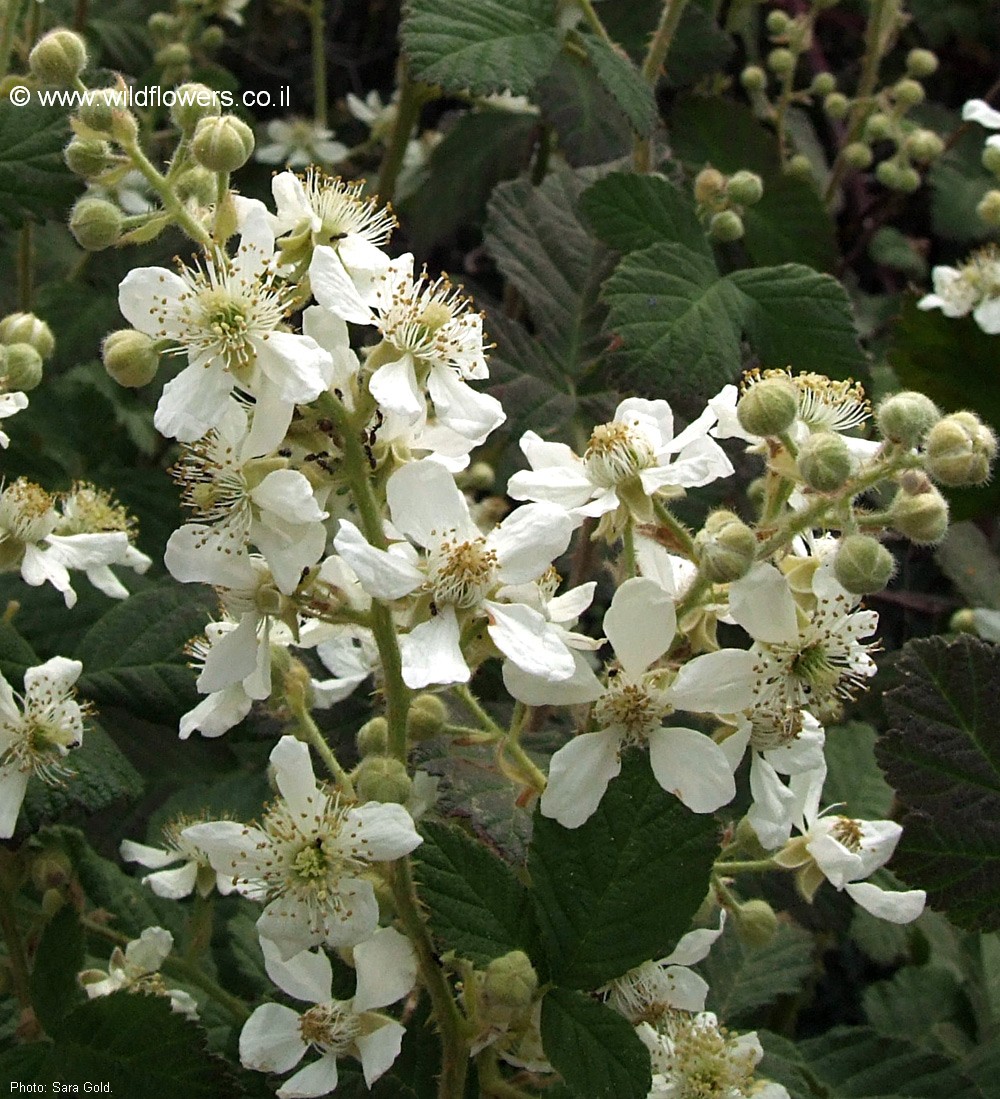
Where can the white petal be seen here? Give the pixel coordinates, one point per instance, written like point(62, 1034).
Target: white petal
point(271, 416)
point(462, 408)
point(687, 990)
point(218, 713)
point(719, 682)
point(394, 386)
point(987, 316)
point(387, 969)
point(13, 783)
point(153, 857)
point(174, 884)
point(432, 653)
point(425, 502)
point(579, 774)
point(288, 494)
point(295, 778)
point(894, 907)
point(568, 487)
point(529, 540)
point(194, 402)
point(308, 976)
point(695, 945)
point(150, 950)
point(762, 603)
point(199, 554)
point(773, 807)
point(37, 567)
point(379, 1049)
point(145, 288)
point(232, 658)
point(381, 832)
point(271, 1040)
point(319, 1078)
point(978, 110)
point(534, 645)
point(384, 575)
point(640, 624)
point(692, 767)
point(334, 289)
point(582, 685)
point(296, 365)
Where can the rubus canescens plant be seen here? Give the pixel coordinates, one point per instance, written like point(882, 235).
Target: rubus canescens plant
point(523, 687)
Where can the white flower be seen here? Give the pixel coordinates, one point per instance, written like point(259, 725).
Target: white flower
point(973, 287)
point(464, 573)
point(276, 1038)
point(978, 110)
point(36, 732)
point(299, 142)
point(844, 851)
point(10, 404)
point(630, 709)
point(309, 859)
point(226, 316)
point(137, 970)
point(195, 871)
point(628, 461)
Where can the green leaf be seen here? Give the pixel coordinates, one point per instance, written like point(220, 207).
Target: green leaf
point(942, 755)
point(16, 655)
point(477, 907)
point(967, 559)
point(34, 180)
point(596, 1050)
point(492, 46)
point(600, 891)
point(134, 655)
point(916, 1001)
point(699, 47)
point(853, 778)
point(135, 1043)
point(58, 959)
point(958, 182)
point(621, 79)
point(630, 212)
point(860, 1063)
point(742, 979)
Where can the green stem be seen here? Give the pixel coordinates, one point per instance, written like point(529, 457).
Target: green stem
point(12, 13)
point(25, 267)
point(656, 56)
point(17, 958)
point(628, 549)
point(412, 96)
point(511, 745)
point(472, 704)
point(681, 535)
point(311, 734)
point(491, 1082)
point(317, 28)
point(171, 202)
point(699, 586)
point(594, 20)
point(747, 866)
point(199, 927)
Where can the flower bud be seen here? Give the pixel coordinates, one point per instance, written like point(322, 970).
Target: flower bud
point(746, 188)
point(898, 177)
point(124, 127)
point(858, 155)
point(863, 565)
point(193, 103)
point(924, 146)
point(709, 185)
point(988, 209)
point(725, 548)
point(426, 717)
point(991, 159)
point(878, 127)
point(58, 58)
point(921, 63)
point(799, 167)
point(130, 357)
point(95, 223)
point(383, 778)
point(212, 38)
point(510, 982)
point(52, 901)
point(21, 368)
point(372, 738)
point(27, 328)
point(756, 923)
point(98, 108)
point(960, 449)
point(836, 105)
point(753, 78)
point(905, 418)
point(222, 144)
point(823, 84)
point(922, 518)
point(88, 157)
point(768, 407)
point(777, 22)
point(199, 184)
point(824, 462)
point(963, 621)
point(162, 26)
point(908, 92)
point(726, 226)
point(51, 869)
point(781, 61)
point(174, 56)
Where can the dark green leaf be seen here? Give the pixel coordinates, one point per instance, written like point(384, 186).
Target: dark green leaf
point(16, 655)
point(722, 133)
point(853, 778)
point(699, 47)
point(942, 755)
point(477, 907)
point(958, 182)
point(34, 180)
point(790, 224)
point(621, 79)
point(58, 959)
point(594, 1048)
point(916, 1001)
point(600, 891)
point(489, 47)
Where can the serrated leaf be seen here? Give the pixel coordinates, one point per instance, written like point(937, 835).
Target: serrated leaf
point(488, 47)
point(942, 754)
point(699, 47)
point(134, 1043)
point(916, 1000)
point(58, 959)
point(621, 80)
point(853, 778)
point(34, 179)
point(476, 906)
point(595, 1050)
point(742, 978)
point(631, 212)
point(600, 890)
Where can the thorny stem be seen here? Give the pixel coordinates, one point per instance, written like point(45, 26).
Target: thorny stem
point(511, 746)
point(628, 548)
point(25, 267)
point(656, 55)
point(199, 927)
point(679, 533)
point(594, 20)
point(472, 704)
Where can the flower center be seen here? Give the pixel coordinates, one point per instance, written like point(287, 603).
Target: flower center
point(813, 665)
point(617, 452)
point(462, 572)
point(848, 833)
point(704, 1063)
point(27, 512)
point(331, 1027)
point(228, 321)
point(311, 863)
point(630, 707)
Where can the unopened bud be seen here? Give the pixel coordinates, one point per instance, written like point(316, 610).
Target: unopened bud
point(97, 110)
point(989, 209)
point(709, 184)
point(174, 56)
point(27, 328)
point(88, 157)
point(130, 357)
point(756, 923)
point(725, 547)
point(908, 92)
point(198, 183)
point(905, 418)
point(479, 477)
point(777, 22)
point(878, 127)
point(960, 449)
point(726, 226)
point(963, 621)
point(162, 25)
point(746, 188)
point(863, 565)
point(52, 901)
point(58, 58)
point(799, 167)
point(922, 518)
point(753, 78)
point(193, 103)
point(824, 461)
point(858, 155)
point(823, 84)
point(212, 38)
point(21, 367)
point(836, 105)
point(426, 717)
point(991, 159)
point(372, 738)
point(222, 144)
point(921, 63)
point(51, 869)
point(781, 61)
point(924, 146)
point(898, 177)
point(510, 982)
point(95, 223)
point(383, 778)
point(768, 407)
point(124, 127)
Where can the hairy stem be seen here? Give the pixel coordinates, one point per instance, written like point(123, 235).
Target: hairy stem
point(656, 56)
point(412, 96)
point(317, 29)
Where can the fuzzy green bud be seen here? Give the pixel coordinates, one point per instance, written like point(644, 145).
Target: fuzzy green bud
point(726, 226)
point(27, 328)
point(989, 209)
point(479, 477)
point(960, 449)
point(908, 92)
point(756, 923)
point(836, 105)
point(222, 144)
point(199, 184)
point(709, 185)
point(768, 407)
point(52, 901)
point(878, 127)
point(372, 738)
point(921, 63)
point(162, 26)
point(174, 56)
point(88, 157)
point(97, 111)
point(58, 58)
point(823, 84)
point(858, 155)
point(922, 518)
point(799, 167)
point(991, 159)
point(781, 61)
point(753, 78)
point(746, 188)
point(124, 127)
point(924, 146)
point(824, 461)
point(725, 547)
point(130, 357)
point(963, 621)
point(777, 22)
point(863, 565)
point(383, 778)
point(426, 717)
point(193, 103)
point(510, 982)
point(905, 418)
point(20, 367)
point(50, 868)
point(212, 38)
point(95, 223)
point(898, 177)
